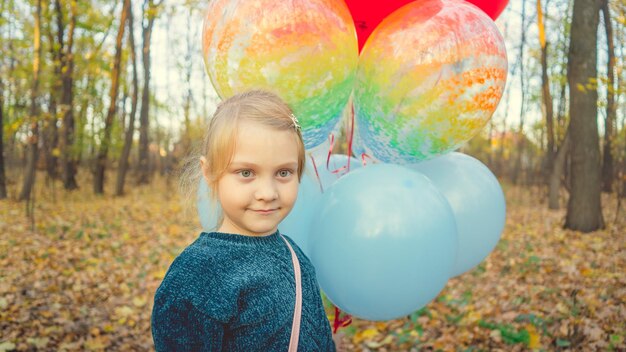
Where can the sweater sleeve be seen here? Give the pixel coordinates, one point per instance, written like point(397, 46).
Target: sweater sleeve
point(178, 326)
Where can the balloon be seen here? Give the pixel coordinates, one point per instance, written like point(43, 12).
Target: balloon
point(429, 78)
point(477, 201)
point(208, 211)
point(337, 167)
point(358, 148)
point(298, 223)
point(493, 8)
point(368, 14)
point(303, 50)
point(385, 242)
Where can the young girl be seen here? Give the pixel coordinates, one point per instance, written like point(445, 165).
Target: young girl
point(236, 289)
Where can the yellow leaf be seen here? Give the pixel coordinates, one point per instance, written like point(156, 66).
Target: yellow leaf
point(586, 272)
point(56, 152)
point(159, 274)
point(535, 338)
point(473, 317)
point(139, 302)
point(97, 343)
point(123, 311)
point(174, 230)
point(366, 334)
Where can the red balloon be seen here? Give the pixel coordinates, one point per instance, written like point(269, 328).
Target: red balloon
point(368, 14)
point(493, 8)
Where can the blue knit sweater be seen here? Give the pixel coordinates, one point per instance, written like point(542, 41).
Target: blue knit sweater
point(228, 292)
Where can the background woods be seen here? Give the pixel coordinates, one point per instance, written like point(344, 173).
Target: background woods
point(100, 101)
point(71, 89)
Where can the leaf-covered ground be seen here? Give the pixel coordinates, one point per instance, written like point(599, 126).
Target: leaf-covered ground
point(82, 276)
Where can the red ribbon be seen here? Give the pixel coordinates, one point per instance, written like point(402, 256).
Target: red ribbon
point(317, 174)
point(340, 322)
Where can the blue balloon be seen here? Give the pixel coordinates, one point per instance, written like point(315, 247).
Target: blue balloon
point(337, 168)
point(298, 223)
point(208, 211)
point(384, 242)
point(477, 201)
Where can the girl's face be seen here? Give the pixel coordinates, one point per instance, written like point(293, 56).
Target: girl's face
point(260, 186)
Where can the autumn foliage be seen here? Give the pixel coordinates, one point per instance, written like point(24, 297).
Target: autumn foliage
point(82, 273)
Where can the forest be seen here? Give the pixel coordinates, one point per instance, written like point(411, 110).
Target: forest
point(101, 102)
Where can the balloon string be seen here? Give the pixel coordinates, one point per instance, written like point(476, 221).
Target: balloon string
point(350, 134)
point(340, 322)
point(363, 157)
point(350, 139)
point(317, 174)
point(336, 172)
point(331, 137)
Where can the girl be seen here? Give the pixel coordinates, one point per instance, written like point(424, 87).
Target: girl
point(246, 286)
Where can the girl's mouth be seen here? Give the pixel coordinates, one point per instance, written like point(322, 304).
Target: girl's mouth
point(265, 211)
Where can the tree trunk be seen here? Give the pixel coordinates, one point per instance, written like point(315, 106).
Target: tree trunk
point(547, 106)
point(69, 161)
point(554, 185)
point(51, 132)
point(144, 117)
point(521, 139)
point(98, 185)
point(128, 138)
point(584, 209)
point(608, 173)
point(3, 186)
point(33, 139)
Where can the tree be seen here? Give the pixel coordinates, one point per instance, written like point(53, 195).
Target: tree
point(69, 161)
point(584, 209)
point(128, 138)
point(33, 139)
point(150, 9)
point(547, 106)
point(521, 141)
point(611, 108)
point(101, 159)
point(3, 187)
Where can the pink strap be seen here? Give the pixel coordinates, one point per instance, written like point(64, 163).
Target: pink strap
point(295, 326)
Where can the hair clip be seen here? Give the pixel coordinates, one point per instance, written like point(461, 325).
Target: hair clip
point(296, 124)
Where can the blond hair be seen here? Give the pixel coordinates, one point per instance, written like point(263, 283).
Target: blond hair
point(219, 141)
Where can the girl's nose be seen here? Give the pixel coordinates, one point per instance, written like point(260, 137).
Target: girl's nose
point(267, 190)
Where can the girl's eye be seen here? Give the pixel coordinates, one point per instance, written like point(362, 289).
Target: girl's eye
point(284, 173)
point(245, 173)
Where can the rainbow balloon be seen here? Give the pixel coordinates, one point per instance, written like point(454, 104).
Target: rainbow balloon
point(303, 50)
point(429, 78)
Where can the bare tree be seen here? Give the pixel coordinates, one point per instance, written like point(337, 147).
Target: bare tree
point(33, 138)
point(130, 130)
point(584, 209)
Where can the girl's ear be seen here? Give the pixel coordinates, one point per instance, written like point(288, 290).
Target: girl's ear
point(205, 169)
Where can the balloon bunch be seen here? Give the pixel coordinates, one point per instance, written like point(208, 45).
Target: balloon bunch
point(424, 77)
